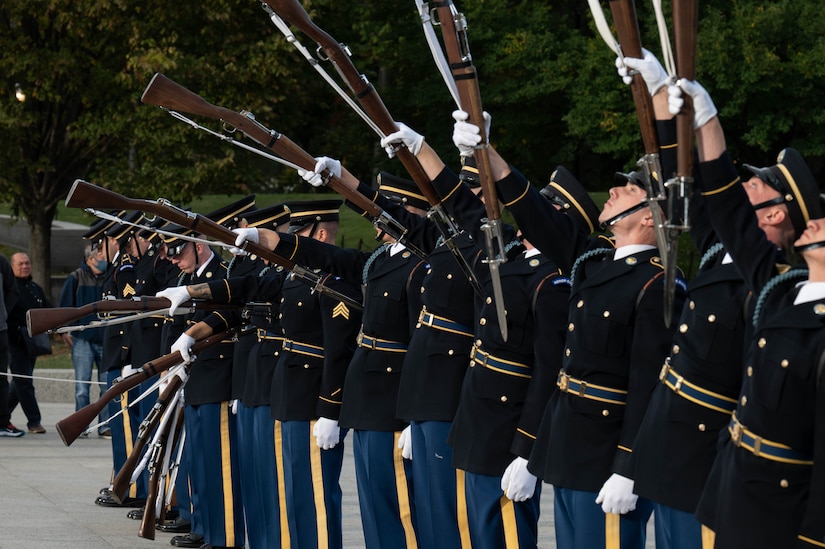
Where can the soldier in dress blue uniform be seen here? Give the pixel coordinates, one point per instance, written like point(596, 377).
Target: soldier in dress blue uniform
point(120, 283)
point(436, 357)
point(210, 451)
point(391, 276)
point(765, 488)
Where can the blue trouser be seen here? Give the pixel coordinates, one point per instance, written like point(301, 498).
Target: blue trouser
point(441, 508)
point(581, 524)
point(21, 389)
point(259, 475)
point(385, 493)
point(312, 491)
point(86, 355)
point(679, 530)
point(498, 522)
point(213, 473)
point(124, 429)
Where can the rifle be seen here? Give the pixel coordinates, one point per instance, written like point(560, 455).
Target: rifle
point(164, 92)
point(627, 29)
point(85, 195)
point(382, 121)
point(70, 427)
point(454, 34)
point(121, 482)
point(155, 466)
point(47, 319)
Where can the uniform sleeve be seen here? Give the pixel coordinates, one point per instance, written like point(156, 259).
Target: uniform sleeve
point(347, 263)
point(340, 328)
point(550, 316)
point(650, 346)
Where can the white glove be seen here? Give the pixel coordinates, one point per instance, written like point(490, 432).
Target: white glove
point(466, 136)
point(322, 163)
point(183, 344)
point(245, 235)
point(327, 433)
point(233, 406)
point(176, 295)
point(405, 443)
point(703, 107)
point(616, 496)
point(649, 67)
point(517, 483)
point(404, 136)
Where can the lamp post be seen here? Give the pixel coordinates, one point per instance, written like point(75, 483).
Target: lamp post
point(18, 93)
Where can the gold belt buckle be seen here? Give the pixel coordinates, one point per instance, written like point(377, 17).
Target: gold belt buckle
point(736, 433)
point(563, 382)
point(664, 371)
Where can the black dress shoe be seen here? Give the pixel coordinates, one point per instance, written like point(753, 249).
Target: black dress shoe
point(135, 514)
point(177, 526)
point(189, 540)
point(109, 501)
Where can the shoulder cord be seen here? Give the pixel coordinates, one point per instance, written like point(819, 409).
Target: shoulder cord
point(793, 274)
point(711, 253)
point(584, 257)
point(371, 259)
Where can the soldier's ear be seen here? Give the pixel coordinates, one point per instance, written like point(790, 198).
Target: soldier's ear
point(775, 216)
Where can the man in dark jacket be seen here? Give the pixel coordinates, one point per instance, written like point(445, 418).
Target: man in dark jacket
point(8, 299)
point(21, 389)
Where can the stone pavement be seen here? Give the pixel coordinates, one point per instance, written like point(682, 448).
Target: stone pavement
point(47, 495)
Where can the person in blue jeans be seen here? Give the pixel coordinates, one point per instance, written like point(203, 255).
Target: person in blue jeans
point(83, 286)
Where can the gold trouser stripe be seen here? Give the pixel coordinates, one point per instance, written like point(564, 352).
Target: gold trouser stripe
point(317, 472)
point(508, 521)
point(226, 477)
point(127, 431)
point(612, 531)
point(403, 494)
point(708, 538)
point(461, 510)
point(810, 541)
point(279, 464)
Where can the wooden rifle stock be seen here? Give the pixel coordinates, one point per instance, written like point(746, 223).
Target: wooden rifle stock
point(627, 29)
point(164, 92)
point(292, 12)
point(155, 465)
point(47, 319)
point(685, 23)
point(70, 427)
point(85, 195)
point(123, 478)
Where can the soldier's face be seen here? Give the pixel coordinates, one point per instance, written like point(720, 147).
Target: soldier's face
point(621, 199)
point(186, 260)
point(814, 232)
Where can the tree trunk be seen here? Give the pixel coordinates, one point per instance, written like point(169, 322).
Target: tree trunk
point(40, 248)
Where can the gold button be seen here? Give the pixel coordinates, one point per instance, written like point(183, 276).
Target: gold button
point(711, 318)
point(702, 427)
point(449, 276)
point(389, 369)
point(783, 483)
point(280, 315)
point(222, 357)
point(504, 398)
point(571, 327)
point(762, 342)
point(683, 328)
point(282, 300)
point(692, 305)
point(750, 371)
point(580, 304)
point(306, 366)
point(483, 321)
point(784, 363)
point(418, 325)
point(300, 304)
point(489, 300)
point(120, 332)
point(429, 271)
point(567, 352)
point(606, 314)
point(605, 413)
point(478, 343)
point(451, 352)
point(676, 349)
point(422, 289)
point(744, 400)
point(386, 294)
